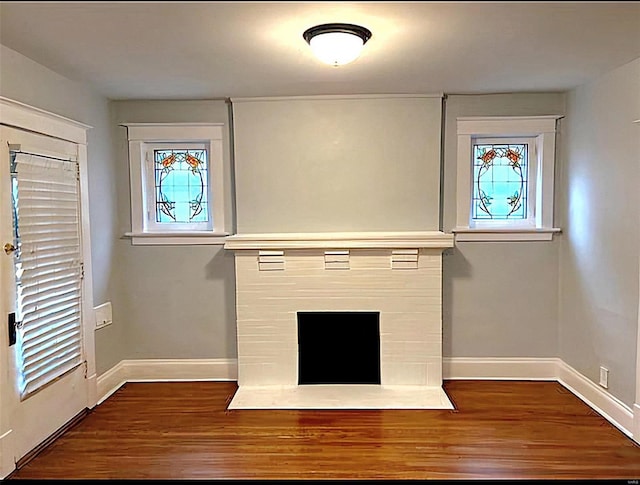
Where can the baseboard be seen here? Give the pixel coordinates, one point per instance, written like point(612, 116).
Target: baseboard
point(110, 381)
point(143, 370)
point(609, 406)
point(154, 370)
point(545, 369)
point(482, 368)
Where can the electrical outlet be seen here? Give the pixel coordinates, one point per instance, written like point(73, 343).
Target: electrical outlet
point(103, 315)
point(604, 377)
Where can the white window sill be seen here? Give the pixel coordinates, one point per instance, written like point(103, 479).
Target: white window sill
point(176, 239)
point(468, 234)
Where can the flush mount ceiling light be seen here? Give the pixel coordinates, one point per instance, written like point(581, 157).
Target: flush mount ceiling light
point(337, 44)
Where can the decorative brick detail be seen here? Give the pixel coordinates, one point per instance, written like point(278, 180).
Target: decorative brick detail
point(336, 260)
point(404, 259)
point(271, 260)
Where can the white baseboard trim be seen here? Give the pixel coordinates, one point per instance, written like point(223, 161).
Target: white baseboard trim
point(110, 381)
point(546, 369)
point(143, 370)
point(163, 370)
point(481, 368)
point(609, 406)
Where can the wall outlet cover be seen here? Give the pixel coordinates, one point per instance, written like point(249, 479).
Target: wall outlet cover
point(604, 377)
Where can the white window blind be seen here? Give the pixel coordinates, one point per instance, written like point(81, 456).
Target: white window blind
point(48, 269)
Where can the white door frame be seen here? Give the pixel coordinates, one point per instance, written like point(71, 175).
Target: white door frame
point(21, 116)
point(636, 405)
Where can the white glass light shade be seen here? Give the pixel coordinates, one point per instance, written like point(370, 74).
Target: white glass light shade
point(337, 44)
point(336, 48)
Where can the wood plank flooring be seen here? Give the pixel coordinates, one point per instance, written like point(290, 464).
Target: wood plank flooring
point(182, 430)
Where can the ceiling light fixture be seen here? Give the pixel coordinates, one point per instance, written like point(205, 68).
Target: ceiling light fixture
point(337, 44)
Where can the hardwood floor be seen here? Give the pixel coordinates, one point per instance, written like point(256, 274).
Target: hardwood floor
point(500, 429)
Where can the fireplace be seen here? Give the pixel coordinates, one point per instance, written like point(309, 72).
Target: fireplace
point(338, 348)
point(334, 283)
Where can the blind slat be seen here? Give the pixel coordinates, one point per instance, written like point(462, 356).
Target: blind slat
point(68, 223)
point(32, 163)
point(51, 195)
point(48, 185)
point(44, 211)
point(32, 204)
point(48, 246)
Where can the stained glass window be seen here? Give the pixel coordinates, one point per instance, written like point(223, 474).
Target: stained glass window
point(500, 181)
point(181, 186)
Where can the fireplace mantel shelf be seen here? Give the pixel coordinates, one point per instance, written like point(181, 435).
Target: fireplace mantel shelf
point(340, 240)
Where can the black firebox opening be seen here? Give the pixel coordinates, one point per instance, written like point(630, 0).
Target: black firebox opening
point(338, 348)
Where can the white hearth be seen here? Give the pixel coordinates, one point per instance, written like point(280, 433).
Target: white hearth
point(398, 274)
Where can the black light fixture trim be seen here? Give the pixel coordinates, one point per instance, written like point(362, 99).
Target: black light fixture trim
point(362, 32)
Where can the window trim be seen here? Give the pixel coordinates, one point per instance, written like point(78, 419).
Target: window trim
point(543, 131)
point(141, 138)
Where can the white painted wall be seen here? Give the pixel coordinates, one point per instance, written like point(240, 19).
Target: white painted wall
point(599, 249)
point(331, 164)
point(500, 299)
point(26, 81)
point(178, 301)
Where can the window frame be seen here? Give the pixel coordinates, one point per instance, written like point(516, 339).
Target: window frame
point(143, 138)
point(541, 132)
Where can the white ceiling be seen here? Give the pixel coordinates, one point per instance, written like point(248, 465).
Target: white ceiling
point(224, 49)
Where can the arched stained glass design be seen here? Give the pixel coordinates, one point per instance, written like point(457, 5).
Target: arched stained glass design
point(500, 181)
point(181, 185)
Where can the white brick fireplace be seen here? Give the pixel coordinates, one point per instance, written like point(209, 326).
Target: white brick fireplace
point(398, 275)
